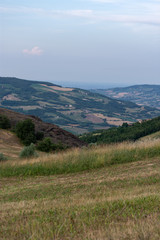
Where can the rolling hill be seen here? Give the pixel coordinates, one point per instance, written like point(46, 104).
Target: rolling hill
point(103, 192)
point(146, 95)
point(73, 109)
point(55, 133)
point(125, 132)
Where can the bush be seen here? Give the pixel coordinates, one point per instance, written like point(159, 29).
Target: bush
point(2, 157)
point(45, 145)
point(28, 152)
point(25, 130)
point(4, 122)
point(39, 136)
point(59, 146)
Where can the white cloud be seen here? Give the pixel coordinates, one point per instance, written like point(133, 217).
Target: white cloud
point(36, 51)
point(72, 13)
point(138, 13)
point(91, 15)
point(20, 10)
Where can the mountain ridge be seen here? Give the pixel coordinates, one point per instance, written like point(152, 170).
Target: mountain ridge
point(142, 94)
point(73, 109)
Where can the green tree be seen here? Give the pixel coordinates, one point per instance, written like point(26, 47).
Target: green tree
point(4, 122)
point(25, 130)
point(45, 145)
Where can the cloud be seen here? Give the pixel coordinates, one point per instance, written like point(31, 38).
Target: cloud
point(26, 10)
point(150, 20)
point(96, 16)
point(72, 13)
point(136, 13)
point(36, 51)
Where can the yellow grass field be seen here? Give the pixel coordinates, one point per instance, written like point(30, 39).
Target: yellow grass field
point(113, 202)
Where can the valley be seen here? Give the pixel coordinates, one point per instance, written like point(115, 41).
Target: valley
point(104, 185)
point(75, 110)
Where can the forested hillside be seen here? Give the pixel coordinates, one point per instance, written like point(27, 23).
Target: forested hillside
point(123, 133)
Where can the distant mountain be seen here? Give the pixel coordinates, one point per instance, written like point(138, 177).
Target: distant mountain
point(146, 95)
point(73, 109)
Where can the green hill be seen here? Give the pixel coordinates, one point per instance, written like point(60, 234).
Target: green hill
point(125, 132)
point(73, 109)
point(146, 95)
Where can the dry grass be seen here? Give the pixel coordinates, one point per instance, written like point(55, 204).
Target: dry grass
point(10, 145)
point(80, 160)
point(117, 202)
point(151, 137)
point(144, 229)
point(73, 154)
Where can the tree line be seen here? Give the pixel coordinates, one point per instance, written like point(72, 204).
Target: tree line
point(125, 132)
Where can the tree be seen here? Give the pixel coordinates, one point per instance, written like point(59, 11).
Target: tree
point(25, 130)
point(45, 145)
point(4, 122)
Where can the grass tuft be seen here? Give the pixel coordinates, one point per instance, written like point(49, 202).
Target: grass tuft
point(78, 160)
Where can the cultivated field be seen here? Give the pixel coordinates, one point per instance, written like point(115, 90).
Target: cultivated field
point(105, 192)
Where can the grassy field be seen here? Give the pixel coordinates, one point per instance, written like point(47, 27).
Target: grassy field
point(107, 192)
point(10, 145)
point(152, 136)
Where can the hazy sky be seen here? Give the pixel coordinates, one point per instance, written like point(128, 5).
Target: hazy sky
point(81, 42)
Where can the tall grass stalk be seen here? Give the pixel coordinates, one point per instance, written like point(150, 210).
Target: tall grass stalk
point(78, 160)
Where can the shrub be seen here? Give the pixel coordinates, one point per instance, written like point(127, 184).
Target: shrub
point(28, 152)
point(39, 136)
point(4, 122)
point(2, 157)
point(59, 146)
point(25, 130)
point(45, 145)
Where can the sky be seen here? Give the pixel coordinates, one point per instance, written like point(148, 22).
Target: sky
point(81, 43)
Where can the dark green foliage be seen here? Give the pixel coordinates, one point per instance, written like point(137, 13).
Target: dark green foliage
point(39, 136)
point(25, 130)
point(59, 146)
point(2, 157)
point(124, 133)
point(4, 122)
point(46, 145)
point(28, 152)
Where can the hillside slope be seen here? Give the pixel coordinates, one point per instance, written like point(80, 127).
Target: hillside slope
point(146, 95)
point(73, 109)
point(124, 133)
point(117, 198)
point(10, 145)
point(50, 130)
